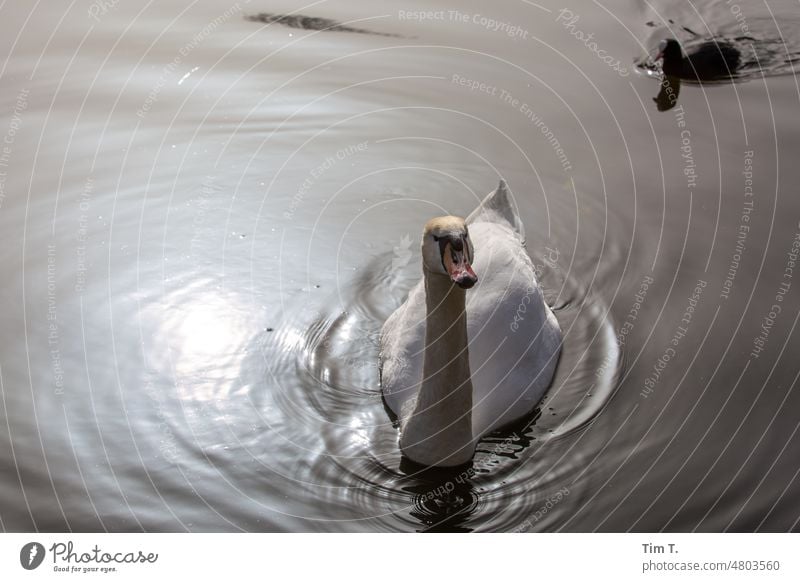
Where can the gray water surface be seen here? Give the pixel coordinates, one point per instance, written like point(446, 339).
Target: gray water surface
point(207, 217)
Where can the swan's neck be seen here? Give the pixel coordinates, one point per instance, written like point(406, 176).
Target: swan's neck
point(439, 430)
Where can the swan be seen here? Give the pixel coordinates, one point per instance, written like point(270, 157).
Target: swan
point(458, 364)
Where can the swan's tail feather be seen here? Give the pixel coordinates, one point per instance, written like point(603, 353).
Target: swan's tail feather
point(498, 207)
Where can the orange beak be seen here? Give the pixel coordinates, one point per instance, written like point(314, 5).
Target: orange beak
point(458, 266)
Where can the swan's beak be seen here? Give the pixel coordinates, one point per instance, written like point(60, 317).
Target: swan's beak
point(455, 257)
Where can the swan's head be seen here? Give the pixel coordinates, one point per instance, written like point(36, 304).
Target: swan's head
point(447, 250)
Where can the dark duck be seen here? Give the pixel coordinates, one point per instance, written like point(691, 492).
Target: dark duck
point(710, 61)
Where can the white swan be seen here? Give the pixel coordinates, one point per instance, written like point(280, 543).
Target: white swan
point(457, 365)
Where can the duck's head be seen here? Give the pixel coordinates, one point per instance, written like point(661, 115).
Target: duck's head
point(669, 50)
point(447, 250)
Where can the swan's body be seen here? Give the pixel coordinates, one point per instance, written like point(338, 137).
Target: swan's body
point(459, 364)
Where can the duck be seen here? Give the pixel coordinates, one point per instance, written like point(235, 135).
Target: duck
point(475, 346)
point(711, 60)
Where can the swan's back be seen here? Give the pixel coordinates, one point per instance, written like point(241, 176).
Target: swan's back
point(514, 339)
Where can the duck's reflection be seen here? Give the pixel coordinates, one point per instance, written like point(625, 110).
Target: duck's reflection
point(668, 94)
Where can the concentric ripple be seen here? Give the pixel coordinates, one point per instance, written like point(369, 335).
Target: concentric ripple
point(361, 464)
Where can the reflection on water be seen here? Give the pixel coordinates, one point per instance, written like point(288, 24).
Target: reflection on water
point(206, 222)
point(309, 23)
point(668, 94)
point(443, 499)
point(203, 331)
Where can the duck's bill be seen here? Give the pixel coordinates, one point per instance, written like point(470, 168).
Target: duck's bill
point(459, 267)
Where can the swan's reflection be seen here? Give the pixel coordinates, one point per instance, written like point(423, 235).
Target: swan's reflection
point(444, 498)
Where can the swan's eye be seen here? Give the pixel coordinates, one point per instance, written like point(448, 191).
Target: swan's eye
point(436, 238)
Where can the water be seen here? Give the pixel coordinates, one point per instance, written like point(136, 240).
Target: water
point(207, 218)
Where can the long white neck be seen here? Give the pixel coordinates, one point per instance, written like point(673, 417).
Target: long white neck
point(439, 430)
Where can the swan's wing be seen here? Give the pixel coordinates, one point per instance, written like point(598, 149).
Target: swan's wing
point(498, 207)
point(514, 337)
